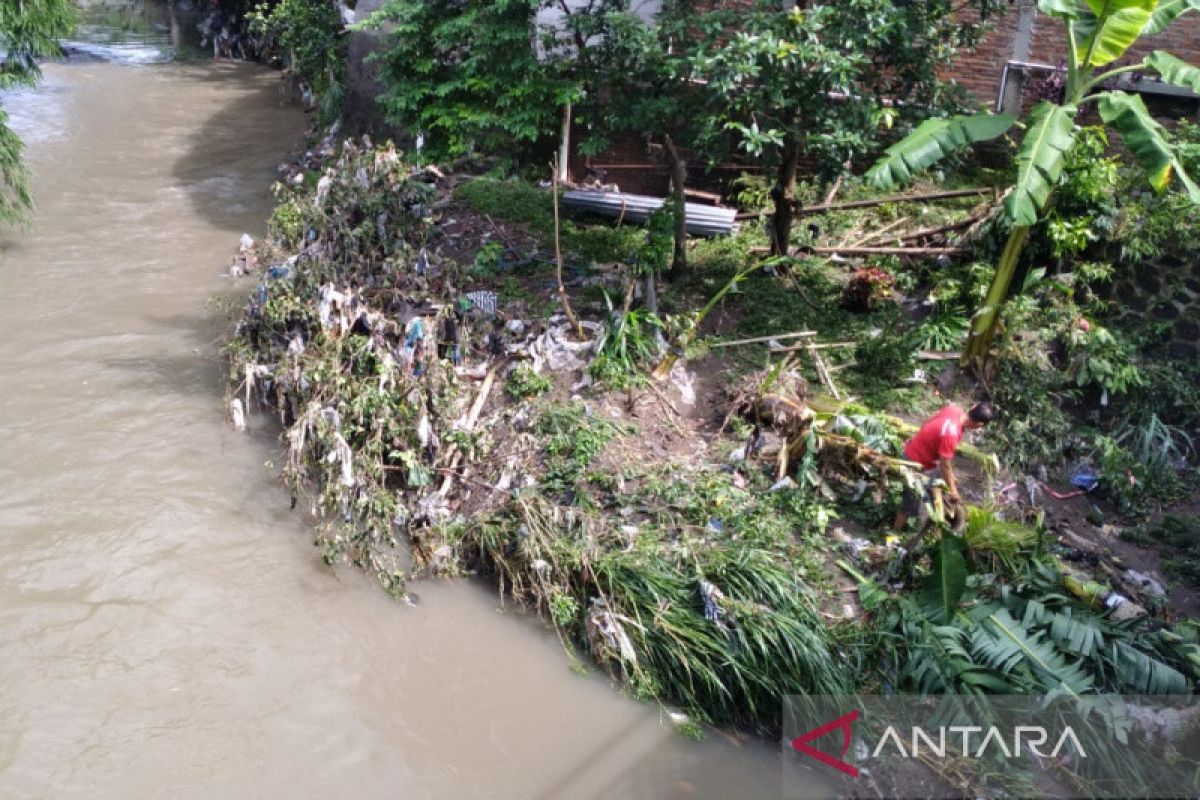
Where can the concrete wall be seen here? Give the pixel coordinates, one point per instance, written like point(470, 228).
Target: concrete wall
point(362, 114)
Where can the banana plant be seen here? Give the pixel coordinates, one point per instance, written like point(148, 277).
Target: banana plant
point(1099, 32)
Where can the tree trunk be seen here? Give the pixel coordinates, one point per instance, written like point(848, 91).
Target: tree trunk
point(784, 195)
point(983, 329)
point(678, 180)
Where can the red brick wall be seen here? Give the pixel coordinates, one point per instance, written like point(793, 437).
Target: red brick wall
point(980, 70)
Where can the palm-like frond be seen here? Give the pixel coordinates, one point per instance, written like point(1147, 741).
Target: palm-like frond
point(933, 140)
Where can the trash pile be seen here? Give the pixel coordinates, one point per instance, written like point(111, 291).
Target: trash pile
point(356, 339)
point(384, 364)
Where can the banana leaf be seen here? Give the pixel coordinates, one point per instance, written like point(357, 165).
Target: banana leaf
point(1040, 160)
point(1166, 13)
point(1174, 70)
point(933, 140)
point(940, 594)
point(1147, 139)
point(1107, 28)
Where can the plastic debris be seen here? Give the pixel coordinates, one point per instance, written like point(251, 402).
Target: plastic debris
point(685, 382)
point(485, 301)
point(1085, 478)
point(608, 626)
point(1145, 583)
point(237, 414)
point(712, 611)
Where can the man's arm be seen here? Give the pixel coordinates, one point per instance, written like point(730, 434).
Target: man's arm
point(947, 469)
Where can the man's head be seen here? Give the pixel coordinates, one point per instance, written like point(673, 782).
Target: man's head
point(979, 416)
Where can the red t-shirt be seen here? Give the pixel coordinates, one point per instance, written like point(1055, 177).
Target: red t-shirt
point(938, 438)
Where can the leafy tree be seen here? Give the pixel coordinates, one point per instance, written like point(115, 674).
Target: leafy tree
point(814, 82)
point(29, 31)
point(642, 69)
point(310, 35)
point(466, 75)
point(1099, 32)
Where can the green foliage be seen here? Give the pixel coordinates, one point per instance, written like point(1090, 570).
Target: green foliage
point(487, 260)
point(466, 75)
point(1040, 160)
point(1100, 358)
point(1099, 33)
point(942, 331)
point(523, 383)
point(311, 36)
point(933, 140)
point(1147, 139)
point(1016, 632)
point(573, 439)
point(943, 589)
point(1158, 446)
point(518, 201)
point(29, 32)
point(626, 348)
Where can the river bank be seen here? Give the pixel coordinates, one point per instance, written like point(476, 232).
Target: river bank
point(405, 329)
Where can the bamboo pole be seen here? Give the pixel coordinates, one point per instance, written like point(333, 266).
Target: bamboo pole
point(757, 339)
point(910, 198)
point(469, 425)
point(886, 251)
point(558, 259)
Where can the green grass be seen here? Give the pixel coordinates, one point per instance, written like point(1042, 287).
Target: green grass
point(525, 204)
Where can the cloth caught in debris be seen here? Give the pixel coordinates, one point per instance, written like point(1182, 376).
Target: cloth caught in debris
point(553, 349)
point(610, 628)
point(485, 301)
point(711, 594)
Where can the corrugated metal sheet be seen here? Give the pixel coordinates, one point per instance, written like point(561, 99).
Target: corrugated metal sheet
point(702, 220)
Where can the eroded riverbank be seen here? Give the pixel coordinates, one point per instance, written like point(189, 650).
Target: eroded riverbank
point(166, 625)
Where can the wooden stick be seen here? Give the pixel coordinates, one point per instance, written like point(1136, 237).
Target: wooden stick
point(879, 233)
point(823, 371)
point(833, 190)
point(910, 198)
point(810, 345)
point(472, 418)
point(941, 229)
point(562, 290)
point(886, 251)
point(756, 339)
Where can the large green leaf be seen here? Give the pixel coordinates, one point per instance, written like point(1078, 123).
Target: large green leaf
point(1040, 160)
point(1166, 13)
point(1061, 8)
point(933, 140)
point(1107, 28)
point(943, 589)
point(1005, 644)
point(1148, 140)
point(1174, 70)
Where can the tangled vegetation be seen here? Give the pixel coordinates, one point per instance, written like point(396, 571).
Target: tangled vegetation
point(434, 435)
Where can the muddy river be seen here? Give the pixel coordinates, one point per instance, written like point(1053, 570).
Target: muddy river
point(166, 627)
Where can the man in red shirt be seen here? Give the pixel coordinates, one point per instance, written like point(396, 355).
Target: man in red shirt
point(933, 448)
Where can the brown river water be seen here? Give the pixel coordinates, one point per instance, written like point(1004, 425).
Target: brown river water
point(166, 627)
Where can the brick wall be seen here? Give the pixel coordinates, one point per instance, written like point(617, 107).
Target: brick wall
point(980, 71)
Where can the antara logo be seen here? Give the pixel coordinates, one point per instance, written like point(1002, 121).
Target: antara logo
point(843, 723)
point(1030, 738)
